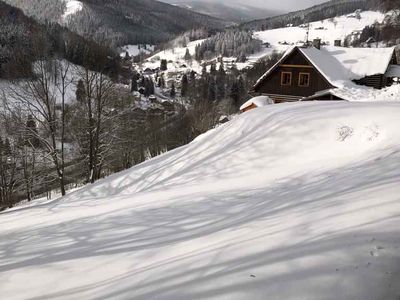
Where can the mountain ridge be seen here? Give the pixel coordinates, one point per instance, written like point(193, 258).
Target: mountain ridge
point(234, 12)
point(120, 21)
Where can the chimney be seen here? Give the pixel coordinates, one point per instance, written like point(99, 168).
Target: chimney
point(317, 43)
point(338, 43)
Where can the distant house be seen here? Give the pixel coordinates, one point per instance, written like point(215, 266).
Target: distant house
point(325, 73)
point(148, 71)
point(255, 102)
point(370, 41)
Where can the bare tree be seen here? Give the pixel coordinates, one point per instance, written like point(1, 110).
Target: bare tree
point(43, 98)
point(95, 111)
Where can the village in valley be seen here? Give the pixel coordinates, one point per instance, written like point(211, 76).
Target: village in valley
point(316, 62)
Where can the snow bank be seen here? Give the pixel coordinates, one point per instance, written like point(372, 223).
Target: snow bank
point(293, 201)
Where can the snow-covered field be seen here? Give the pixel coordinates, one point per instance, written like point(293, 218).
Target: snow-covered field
point(288, 201)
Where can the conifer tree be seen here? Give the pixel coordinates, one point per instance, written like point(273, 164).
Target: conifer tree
point(187, 56)
point(80, 91)
point(184, 85)
point(172, 93)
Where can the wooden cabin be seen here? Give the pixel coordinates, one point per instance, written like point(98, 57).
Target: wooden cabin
point(305, 72)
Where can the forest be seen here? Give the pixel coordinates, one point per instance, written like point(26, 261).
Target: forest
point(230, 43)
point(120, 22)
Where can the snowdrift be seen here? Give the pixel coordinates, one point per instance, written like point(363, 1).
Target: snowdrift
point(288, 201)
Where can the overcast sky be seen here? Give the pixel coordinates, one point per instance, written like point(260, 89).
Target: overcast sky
point(286, 5)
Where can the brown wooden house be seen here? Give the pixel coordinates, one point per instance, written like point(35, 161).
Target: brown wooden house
point(312, 73)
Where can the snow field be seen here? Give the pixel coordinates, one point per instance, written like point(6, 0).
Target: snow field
point(293, 201)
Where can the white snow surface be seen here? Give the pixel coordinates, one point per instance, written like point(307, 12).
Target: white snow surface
point(259, 101)
point(287, 201)
point(72, 7)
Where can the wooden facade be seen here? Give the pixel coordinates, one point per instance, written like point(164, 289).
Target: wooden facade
point(305, 79)
point(295, 77)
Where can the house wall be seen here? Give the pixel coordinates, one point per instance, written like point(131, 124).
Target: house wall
point(328, 97)
point(296, 64)
point(378, 81)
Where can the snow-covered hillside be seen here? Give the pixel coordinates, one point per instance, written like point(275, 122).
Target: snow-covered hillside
point(327, 30)
point(293, 201)
point(13, 90)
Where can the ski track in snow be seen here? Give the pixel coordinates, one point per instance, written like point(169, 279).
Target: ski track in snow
point(271, 203)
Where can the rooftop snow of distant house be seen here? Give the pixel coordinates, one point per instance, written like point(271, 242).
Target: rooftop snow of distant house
point(259, 101)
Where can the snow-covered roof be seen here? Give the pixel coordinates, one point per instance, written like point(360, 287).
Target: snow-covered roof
point(259, 101)
point(340, 65)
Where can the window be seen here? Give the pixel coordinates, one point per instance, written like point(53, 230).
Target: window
point(286, 78)
point(304, 79)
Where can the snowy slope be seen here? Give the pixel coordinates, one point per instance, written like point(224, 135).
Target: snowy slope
point(12, 90)
point(327, 30)
point(289, 201)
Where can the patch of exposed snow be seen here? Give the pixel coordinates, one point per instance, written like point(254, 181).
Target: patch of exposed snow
point(134, 50)
point(72, 7)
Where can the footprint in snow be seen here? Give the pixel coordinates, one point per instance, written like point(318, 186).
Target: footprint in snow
point(371, 133)
point(344, 132)
point(376, 251)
